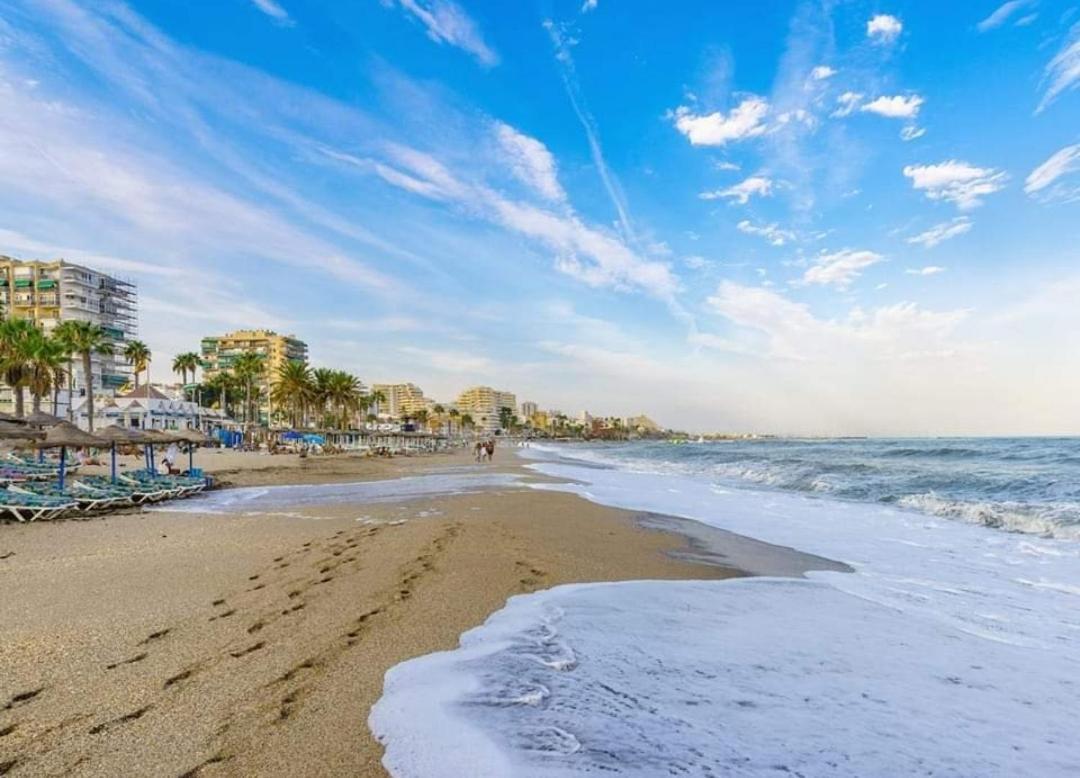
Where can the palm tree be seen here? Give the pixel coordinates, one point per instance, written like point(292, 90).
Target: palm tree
point(223, 385)
point(506, 418)
point(293, 390)
point(249, 368)
point(138, 354)
point(420, 416)
point(63, 333)
point(454, 414)
point(344, 393)
point(466, 421)
point(437, 411)
point(86, 340)
point(375, 398)
point(186, 363)
point(17, 338)
point(45, 368)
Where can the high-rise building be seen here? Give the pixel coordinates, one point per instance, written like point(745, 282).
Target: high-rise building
point(219, 353)
point(400, 400)
point(528, 409)
point(49, 292)
point(484, 405)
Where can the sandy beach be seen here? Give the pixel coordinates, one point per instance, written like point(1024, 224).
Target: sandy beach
point(170, 643)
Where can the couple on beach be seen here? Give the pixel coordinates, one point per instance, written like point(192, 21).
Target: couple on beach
point(485, 450)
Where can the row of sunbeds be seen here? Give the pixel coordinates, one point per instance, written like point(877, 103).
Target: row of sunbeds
point(32, 499)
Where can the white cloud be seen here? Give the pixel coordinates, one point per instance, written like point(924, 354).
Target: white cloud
point(695, 262)
point(1063, 71)
point(589, 5)
point(911, 132)
point(591, 255)
point(449, 361)
point(840, 268)
point(273, 9)
point(746, 120)
point(848, 102)
point(929, 270)
point(725, 165)
point(1001, 14)
point(822, 72)
point(771, 232)
point(956, 182)
point(447, 22)
point(742, 192)
point(883, 28)
point(15, 243)
point(1061, 163)
point(895, 107)
point(940, 233)
point(896, 332)
point(530, 161)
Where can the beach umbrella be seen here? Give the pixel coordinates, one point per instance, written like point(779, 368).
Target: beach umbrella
point(12, 431)
point(11, 418)
point(114, 433)
point(151, 437)
point(63, 435)
point(193, 438)
point(42, 419)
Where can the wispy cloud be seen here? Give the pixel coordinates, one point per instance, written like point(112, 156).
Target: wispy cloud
point(956, 182)
point(1044, 181)
point(940, 233)
point(928, 270)
point(530, 161)
point(1002, 14)
point(274, 10)
point(1063, 71)
point(840, 268)
point(770, 232)
point(754, 186)
point(446, 22)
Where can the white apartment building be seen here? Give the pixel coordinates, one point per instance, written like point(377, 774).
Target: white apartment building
point(484, 403)
point(49, 292)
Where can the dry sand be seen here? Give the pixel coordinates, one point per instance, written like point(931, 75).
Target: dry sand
point(181, 644)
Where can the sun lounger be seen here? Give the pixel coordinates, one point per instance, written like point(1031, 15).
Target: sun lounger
point(184, 485)
point(86, 502)
point(31, 507)
point(140, 493)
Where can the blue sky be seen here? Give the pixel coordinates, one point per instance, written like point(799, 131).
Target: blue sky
point(812, 217)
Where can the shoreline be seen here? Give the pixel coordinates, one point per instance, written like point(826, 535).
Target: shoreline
point(209, 644)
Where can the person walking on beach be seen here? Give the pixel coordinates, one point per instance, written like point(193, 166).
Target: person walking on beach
point(490, 449)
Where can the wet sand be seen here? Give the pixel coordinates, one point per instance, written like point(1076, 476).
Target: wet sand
point(184, 644)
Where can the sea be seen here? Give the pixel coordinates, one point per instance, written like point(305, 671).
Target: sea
point(949, 647)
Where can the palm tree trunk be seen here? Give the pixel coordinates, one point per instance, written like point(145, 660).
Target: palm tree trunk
point(35, 402)
point(88, 380)
point(20, 404)
point(71, 390)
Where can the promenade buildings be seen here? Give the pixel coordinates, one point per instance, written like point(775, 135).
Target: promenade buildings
point(219, 353)
point(400, 400)
point(49, 292)
point(485, 404)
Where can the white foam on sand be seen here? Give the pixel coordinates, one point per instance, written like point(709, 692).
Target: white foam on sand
point(951, 650)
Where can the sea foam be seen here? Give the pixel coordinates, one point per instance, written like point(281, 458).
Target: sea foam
point(953, 649)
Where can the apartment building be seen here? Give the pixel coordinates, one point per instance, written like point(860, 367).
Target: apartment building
point(219, 353)
point(484, 403)
point(401, 400)
point(49, 292)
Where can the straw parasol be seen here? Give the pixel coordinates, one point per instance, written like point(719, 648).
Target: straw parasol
point(9, 417)
point(67, 434)
point(193, 438)
point(11, 431)
point(114, 433)
point(42, 419)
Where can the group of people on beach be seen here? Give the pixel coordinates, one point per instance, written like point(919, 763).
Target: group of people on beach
point(484, 450)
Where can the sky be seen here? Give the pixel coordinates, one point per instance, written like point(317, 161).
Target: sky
point(857, 218)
